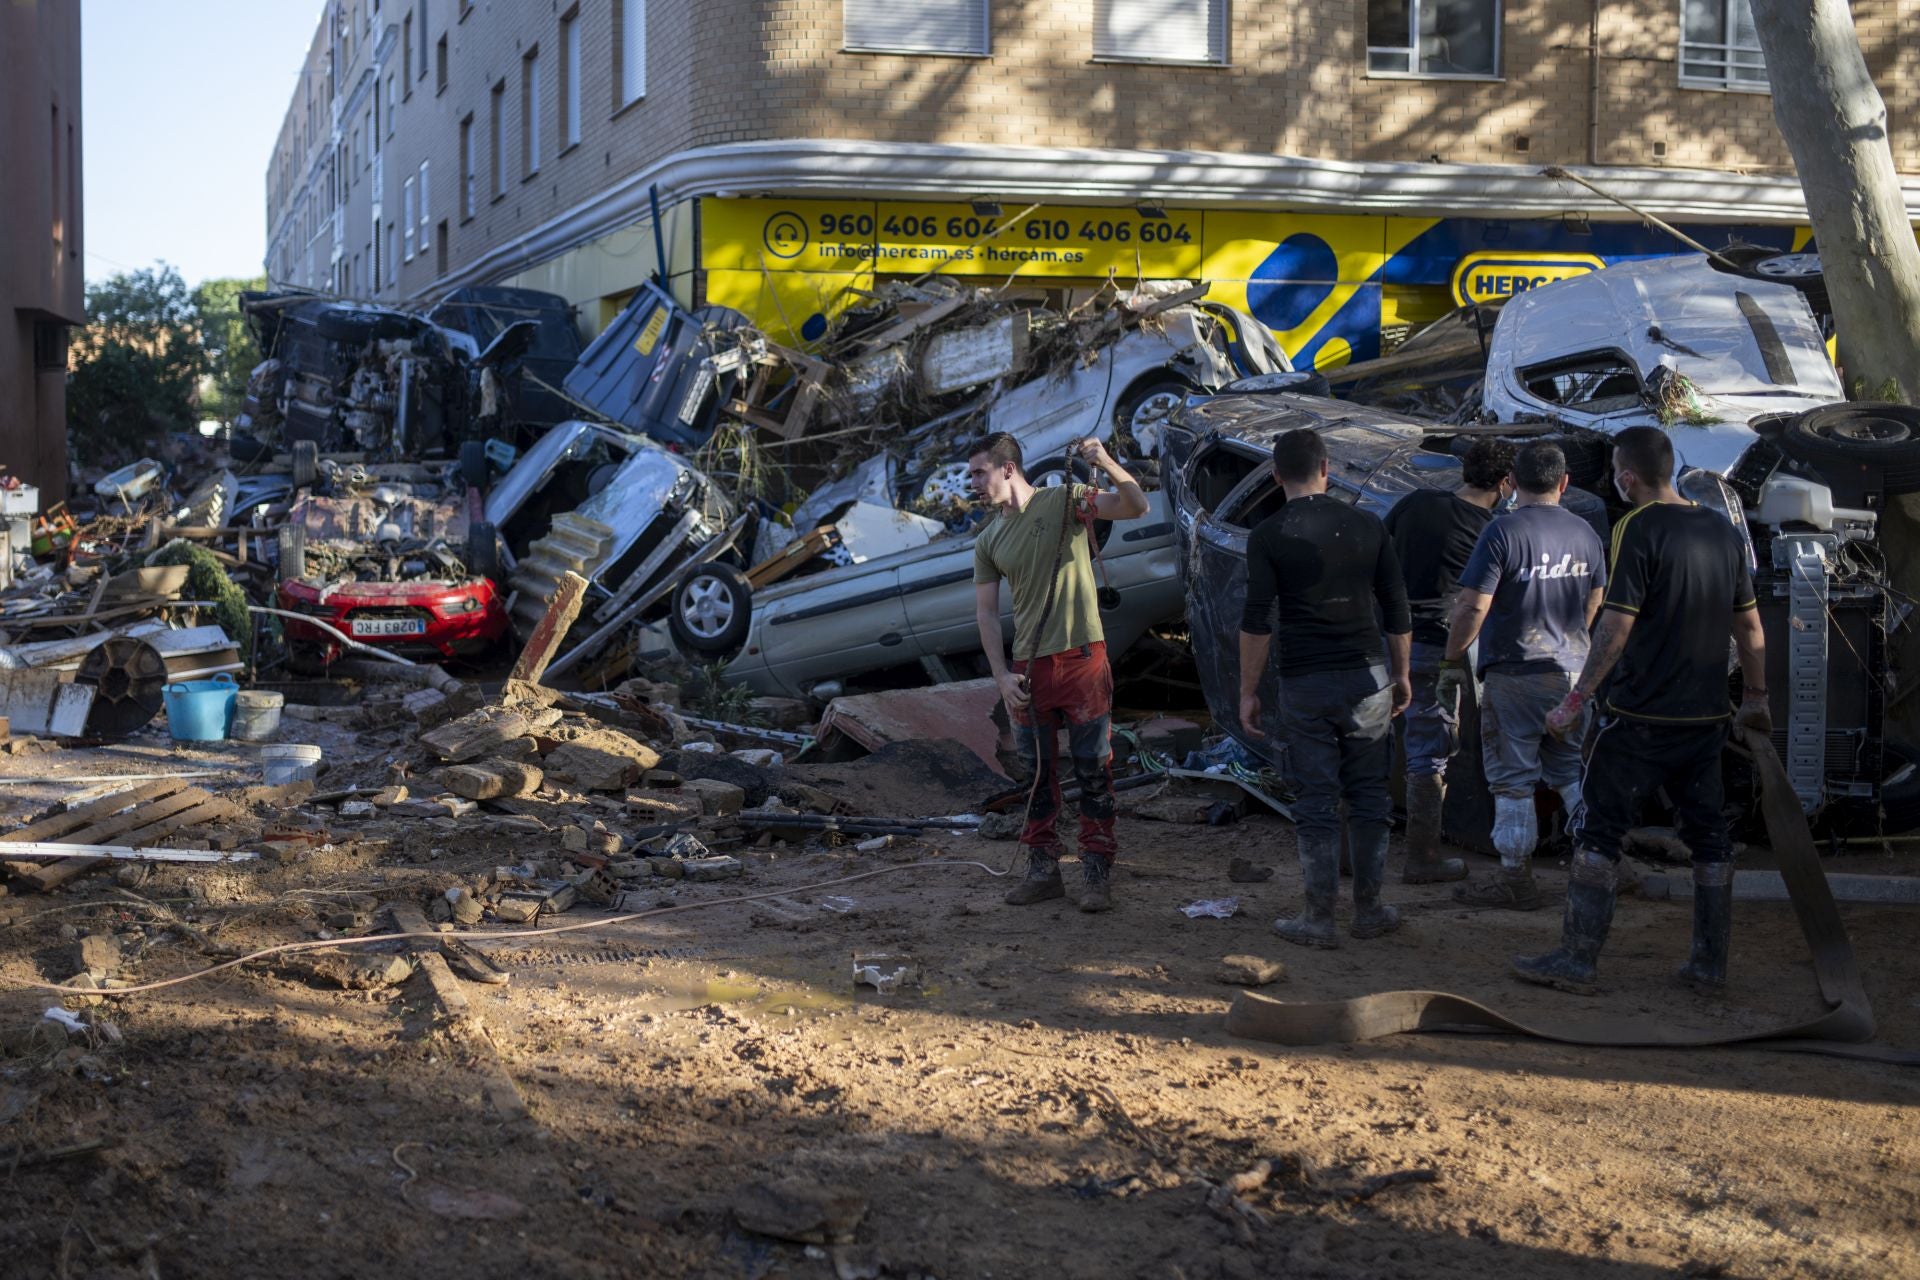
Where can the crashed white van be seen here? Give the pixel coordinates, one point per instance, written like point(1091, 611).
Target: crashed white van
point(1735, 368)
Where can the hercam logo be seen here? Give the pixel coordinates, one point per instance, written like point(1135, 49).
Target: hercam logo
point(1495, 275)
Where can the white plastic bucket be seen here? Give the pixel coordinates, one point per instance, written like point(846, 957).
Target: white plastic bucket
point(256, 715)
point(281, 765)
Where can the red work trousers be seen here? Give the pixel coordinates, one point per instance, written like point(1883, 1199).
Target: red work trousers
point(1074, 691)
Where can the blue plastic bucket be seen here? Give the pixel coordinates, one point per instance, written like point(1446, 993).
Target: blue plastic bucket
point(201, 710)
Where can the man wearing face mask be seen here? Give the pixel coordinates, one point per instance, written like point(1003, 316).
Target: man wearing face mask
point(1433, 533)
point(1679, 583)
point(1528, 595)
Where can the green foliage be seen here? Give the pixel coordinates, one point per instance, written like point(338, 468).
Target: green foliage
point(230, 347)
point(206, 580)
point(136, 366)
point(1888, 392)
point(715, 700)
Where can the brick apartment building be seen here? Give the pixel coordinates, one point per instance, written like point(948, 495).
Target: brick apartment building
point(42, 290)
point(1342, 169)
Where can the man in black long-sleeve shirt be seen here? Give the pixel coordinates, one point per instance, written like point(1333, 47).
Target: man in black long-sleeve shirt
point(1327, 565)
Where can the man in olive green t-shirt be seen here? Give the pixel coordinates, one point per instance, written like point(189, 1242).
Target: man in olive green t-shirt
point(1039, 541)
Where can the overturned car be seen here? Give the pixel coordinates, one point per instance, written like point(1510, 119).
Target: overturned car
point(1737, 374)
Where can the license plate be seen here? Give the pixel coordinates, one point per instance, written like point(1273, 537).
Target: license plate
point(388, 627)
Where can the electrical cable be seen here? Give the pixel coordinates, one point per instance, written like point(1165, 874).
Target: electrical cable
point(326, 944)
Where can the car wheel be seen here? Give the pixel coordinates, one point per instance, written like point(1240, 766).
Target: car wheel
point(1882, 439)
point(483, 549)
point(1144, 411)
point(712, 608)
point(306, 463)
point(356, 325)
point(1800, 270)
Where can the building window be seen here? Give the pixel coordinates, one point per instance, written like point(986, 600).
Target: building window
point(530, 112)
point(440, 65)
point(53, 188)
point(423, 39)
point(570, 78)
point(406, 51)
point(630, 52)
point(406, 218)
point(440, 261)
point(466, 168)
point(49, 345)
point(392, 104)
point(1719, 47)
point(1160, 30)
point(497, 140)
point(393, 256)
point(426, 231)
point(930, 26)
point(1433, 37)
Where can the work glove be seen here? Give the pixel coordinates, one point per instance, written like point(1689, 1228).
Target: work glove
point(1755, 713)
point(1565, 718)
point(1447, 684)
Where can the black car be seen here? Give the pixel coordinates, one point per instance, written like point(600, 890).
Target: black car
point(476, 316)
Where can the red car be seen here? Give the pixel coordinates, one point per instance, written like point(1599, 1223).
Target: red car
point(423, 618)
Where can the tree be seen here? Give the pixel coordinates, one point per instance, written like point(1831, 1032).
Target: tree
point(231, 350)
point(1835, 124)
point(136, 365)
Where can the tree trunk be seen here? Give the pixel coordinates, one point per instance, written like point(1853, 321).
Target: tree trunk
point(1836, 126)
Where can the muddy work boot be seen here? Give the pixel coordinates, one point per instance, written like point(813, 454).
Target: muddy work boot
point(1042, 882)
point(1583, 931)
point(1706, 968)
point(1320, 868)
point(1096, 889)
point(1510, 888)
point(1426, 796)
point(1372, 918)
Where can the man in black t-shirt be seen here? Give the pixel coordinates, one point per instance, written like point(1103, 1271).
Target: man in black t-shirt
point(1433, 534)
point(1679, 583)
point(1325, 566)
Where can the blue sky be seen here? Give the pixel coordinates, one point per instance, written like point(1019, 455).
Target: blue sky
point(182, 101)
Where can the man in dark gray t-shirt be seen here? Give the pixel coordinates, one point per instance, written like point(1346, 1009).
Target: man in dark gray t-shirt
point(1529, 594)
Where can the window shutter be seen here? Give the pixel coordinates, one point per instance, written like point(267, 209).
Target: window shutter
point(917, 26)
point(633, 51)
point(1162, 30)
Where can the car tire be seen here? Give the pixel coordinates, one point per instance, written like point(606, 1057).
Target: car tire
point(292, 541)
point(1143, 412)
point(1802, 271)
point(306, 463)
point(483, 550)
point(474, 468)
point(356, 325)
point(1881, 439)
point(712, 610)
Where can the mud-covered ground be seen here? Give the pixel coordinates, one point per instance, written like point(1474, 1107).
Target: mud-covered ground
point(1056, 1098)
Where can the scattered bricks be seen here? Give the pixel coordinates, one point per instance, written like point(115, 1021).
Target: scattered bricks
point(596, 886)
point(472, 736)
point(431, 708)
point(1250, 971)
point(716, 799)
point(719, 866)
point(463, 907)
point(756, 782)
point(356, 808)
point(672, 868)
point(629, 869)
point(389, 797)
point(759, 757)
point(573, 839)
point(522, 749)
point(782, 713)
point(97, 954)
point(601, 760)
point(660, 779)
point(453, 806)
point(516, 908)
point(492, 780)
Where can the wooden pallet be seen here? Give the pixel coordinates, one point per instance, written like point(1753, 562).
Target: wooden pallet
point(143, 815)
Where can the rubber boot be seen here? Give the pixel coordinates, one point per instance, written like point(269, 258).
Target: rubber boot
point(1096, 891)
point(1583, 931)
point(1516, 830)
point(1320, 869)
point(1042, 881)
point(1426, 796)
point(1706, 968)
point(1371, 917)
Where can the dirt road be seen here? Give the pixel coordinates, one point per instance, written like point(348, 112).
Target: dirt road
point(1056, 1098)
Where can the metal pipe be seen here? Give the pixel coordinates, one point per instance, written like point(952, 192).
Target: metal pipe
point(342, 637)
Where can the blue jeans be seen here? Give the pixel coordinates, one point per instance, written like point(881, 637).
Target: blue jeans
point(1433, 731)
point(1338, 731)
point(1516, 751)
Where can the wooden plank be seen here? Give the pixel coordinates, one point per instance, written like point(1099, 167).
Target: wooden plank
point(568, 595)
point(59, 824)
point(790, 558)
point(454, 1006)
point(139, 818)
point(126, 853)
point(52, 877)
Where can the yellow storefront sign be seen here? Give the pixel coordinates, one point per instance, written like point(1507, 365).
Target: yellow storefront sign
point(1496, 275)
